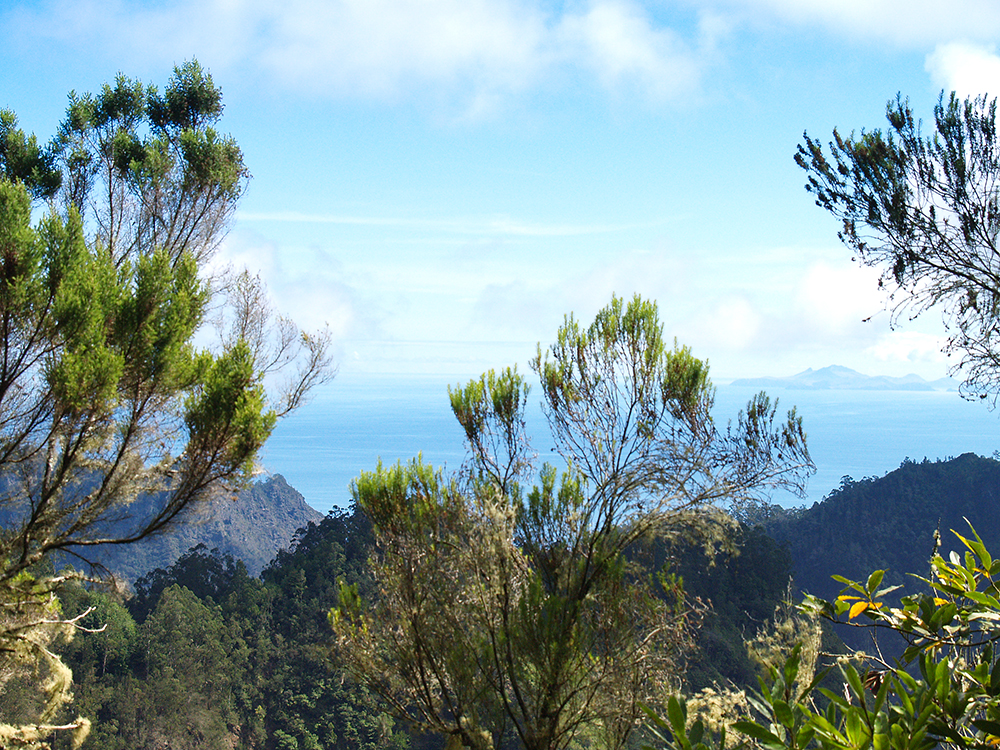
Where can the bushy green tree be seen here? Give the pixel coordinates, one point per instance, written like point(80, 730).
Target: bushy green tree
point(149, 170)
point(175, 679)
point(504, 611)
point(23, 160)
point(104, 396)
point(191, 664)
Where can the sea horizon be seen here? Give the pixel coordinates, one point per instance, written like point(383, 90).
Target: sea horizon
point(359, 419)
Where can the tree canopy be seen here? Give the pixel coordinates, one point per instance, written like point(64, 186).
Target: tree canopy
point(924, 209)
point(104, 395)
point(504, 610)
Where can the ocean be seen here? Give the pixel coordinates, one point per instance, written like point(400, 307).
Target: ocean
point(357, 419)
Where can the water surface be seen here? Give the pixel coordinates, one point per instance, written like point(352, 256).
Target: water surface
point(358, 419)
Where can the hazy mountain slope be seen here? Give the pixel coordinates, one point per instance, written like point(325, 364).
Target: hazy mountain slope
point(252, 527)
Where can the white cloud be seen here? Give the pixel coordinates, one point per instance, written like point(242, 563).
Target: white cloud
point(733, 325)
point(247, 250)
point(618, 41)
point(515, 310)
point(967, 68)
point(473, 53)
point(663, 275)
point(485, 49)
point(834, 300)
point(137, 36)
point(903, 22)
point(379, 47)
point(308, 285)
point(909, 348)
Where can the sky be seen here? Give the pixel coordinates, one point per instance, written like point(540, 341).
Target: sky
point(441, 181)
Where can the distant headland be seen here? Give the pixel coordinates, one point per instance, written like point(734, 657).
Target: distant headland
point(836, 377)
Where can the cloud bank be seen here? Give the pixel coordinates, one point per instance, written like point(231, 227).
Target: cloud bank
point(477, 50)
point(480, 53)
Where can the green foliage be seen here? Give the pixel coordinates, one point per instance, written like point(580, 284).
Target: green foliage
point(634, 417)
point(109, 639)
point(307, 697)
point(616, 397)
point(284, 690)
point(491, 412)
point(191, 658)
point(888, 523)
point(155, 325)
point(742, 580)
point(176, 678)
point(205, 656)
point(410, 499)
point(499, 610)
point(97, 362)
point(173, 181)
point(424, 527)
point(35, 684)
point(225, 414)
point(945, 689)
point(103, 398)
point(84, 376)
point(23, 160)
point(209, 575)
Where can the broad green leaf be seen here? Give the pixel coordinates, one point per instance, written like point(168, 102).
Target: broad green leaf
point(677, 714)
point(988, 726)
point(756, 731)
point(697, 732)
point(855, 728)
point(874, 580)
point(985, 599)
point(783, 714)
point(854, 680)
point(791, 669)
point(826, 728)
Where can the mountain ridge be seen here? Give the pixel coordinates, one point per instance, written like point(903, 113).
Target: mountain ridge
point(253, 527)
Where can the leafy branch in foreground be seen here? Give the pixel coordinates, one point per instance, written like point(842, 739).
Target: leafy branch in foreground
point(944, 690)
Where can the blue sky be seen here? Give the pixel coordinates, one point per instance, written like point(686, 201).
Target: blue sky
point(440, 181)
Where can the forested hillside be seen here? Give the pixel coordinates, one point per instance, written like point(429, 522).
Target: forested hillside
point(205, 654)
point(889, 522)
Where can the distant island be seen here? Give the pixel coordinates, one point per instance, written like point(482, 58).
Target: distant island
point(836, 377)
